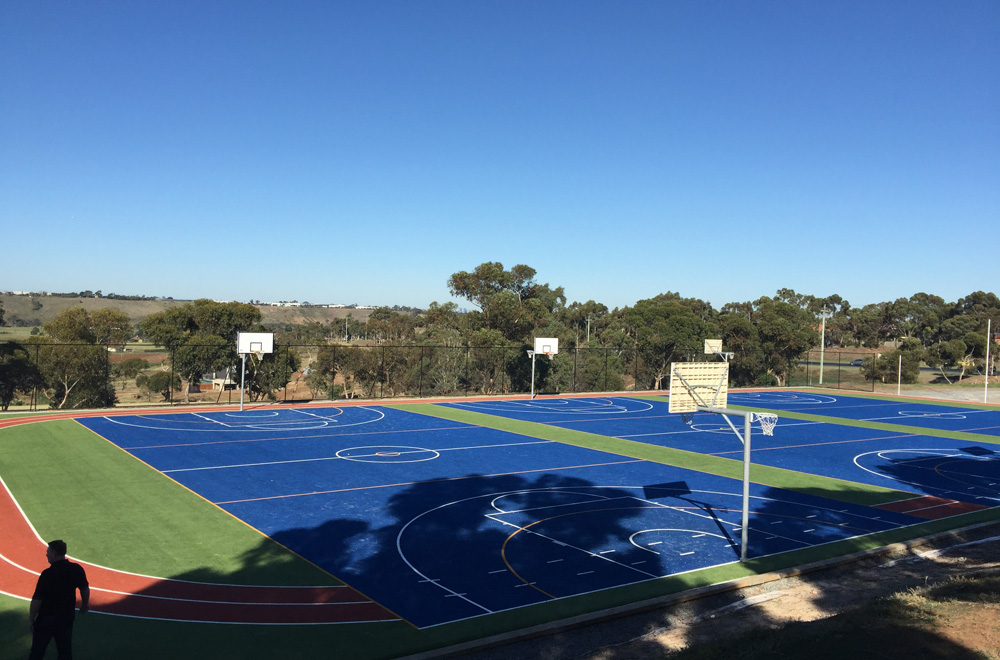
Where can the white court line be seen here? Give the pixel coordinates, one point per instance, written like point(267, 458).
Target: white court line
point(243, 465)
point(213, 421)
point(309, 414)
point(251, 425)
point(923, 455)
point(341, 458)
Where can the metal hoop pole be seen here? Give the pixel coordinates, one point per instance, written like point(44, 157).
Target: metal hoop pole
point(745, 531)
point(243, 380)
point(532, 354)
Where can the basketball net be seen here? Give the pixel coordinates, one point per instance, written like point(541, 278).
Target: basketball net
point(767, 422)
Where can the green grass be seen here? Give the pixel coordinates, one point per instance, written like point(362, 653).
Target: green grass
point(14, 333)
point(152, 525)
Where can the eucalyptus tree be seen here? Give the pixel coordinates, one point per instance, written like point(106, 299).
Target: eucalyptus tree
point(665, 329)
point(18, 373)
point(201, 335)
point(509, 301)
point(73, 356)
point(768, 336)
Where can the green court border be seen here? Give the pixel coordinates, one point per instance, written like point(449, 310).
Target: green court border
point(837, 489)
point(965, 436)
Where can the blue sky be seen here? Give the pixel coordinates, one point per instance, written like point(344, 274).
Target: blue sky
point(362, 152)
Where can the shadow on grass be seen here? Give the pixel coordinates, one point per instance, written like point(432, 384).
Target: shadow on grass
point(14, 638)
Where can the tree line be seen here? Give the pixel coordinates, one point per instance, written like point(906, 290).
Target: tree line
point(445, 349)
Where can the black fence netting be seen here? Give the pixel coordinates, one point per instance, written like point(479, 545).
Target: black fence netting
point(39, 375)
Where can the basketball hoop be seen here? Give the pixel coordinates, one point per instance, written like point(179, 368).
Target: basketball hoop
point(767, 422)
point(542, 346)
point(252, 345)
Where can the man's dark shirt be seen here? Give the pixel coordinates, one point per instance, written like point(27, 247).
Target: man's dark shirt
point(57, 587)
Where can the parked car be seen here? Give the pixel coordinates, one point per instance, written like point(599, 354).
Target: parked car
point(857, 363)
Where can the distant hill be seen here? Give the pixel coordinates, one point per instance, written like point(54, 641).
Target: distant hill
point(28, 310)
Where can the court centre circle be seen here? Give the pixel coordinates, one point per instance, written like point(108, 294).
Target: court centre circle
point(387, 454)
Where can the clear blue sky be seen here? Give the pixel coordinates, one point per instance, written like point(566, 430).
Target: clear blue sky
point(362, 152)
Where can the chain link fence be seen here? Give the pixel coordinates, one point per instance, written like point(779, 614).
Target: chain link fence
point(835, 370)
point(91, 376)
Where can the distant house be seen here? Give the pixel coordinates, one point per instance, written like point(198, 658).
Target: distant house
point(218, 380)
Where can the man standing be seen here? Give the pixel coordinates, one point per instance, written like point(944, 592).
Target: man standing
point(53, 604)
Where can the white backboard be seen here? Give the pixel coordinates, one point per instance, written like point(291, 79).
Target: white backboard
point(254, 342)
point(694, 384)
point(545, 345)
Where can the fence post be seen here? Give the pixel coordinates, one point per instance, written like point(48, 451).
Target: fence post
point(110, 387)
point(420, 383)
point(635, 372)
point(170, 384)
point(576, 357)
point(34, 387)
point(605, 368)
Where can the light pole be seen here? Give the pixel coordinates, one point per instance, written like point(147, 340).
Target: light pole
point(822, 342)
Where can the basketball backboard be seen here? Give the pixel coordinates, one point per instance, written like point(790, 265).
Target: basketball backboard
point(254, 342)
point(546, 345)
point(694, 384)
point(713, 346)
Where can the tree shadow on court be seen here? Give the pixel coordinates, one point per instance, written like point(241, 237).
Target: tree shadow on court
point(855, 614)
point(967, 474)
point(431, 552)
point(437, 549)
point(450, 549)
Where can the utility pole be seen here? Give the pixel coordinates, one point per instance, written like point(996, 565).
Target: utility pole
point(822, 342)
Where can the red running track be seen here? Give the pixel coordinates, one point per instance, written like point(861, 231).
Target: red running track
point(22, 558)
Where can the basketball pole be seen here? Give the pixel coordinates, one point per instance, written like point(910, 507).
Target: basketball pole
point(986, 366)
point(243, 380)
point(747, 420)
point(745, 527)
point(532, 354)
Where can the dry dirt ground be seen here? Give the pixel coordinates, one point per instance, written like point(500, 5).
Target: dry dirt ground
point(806, 597)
